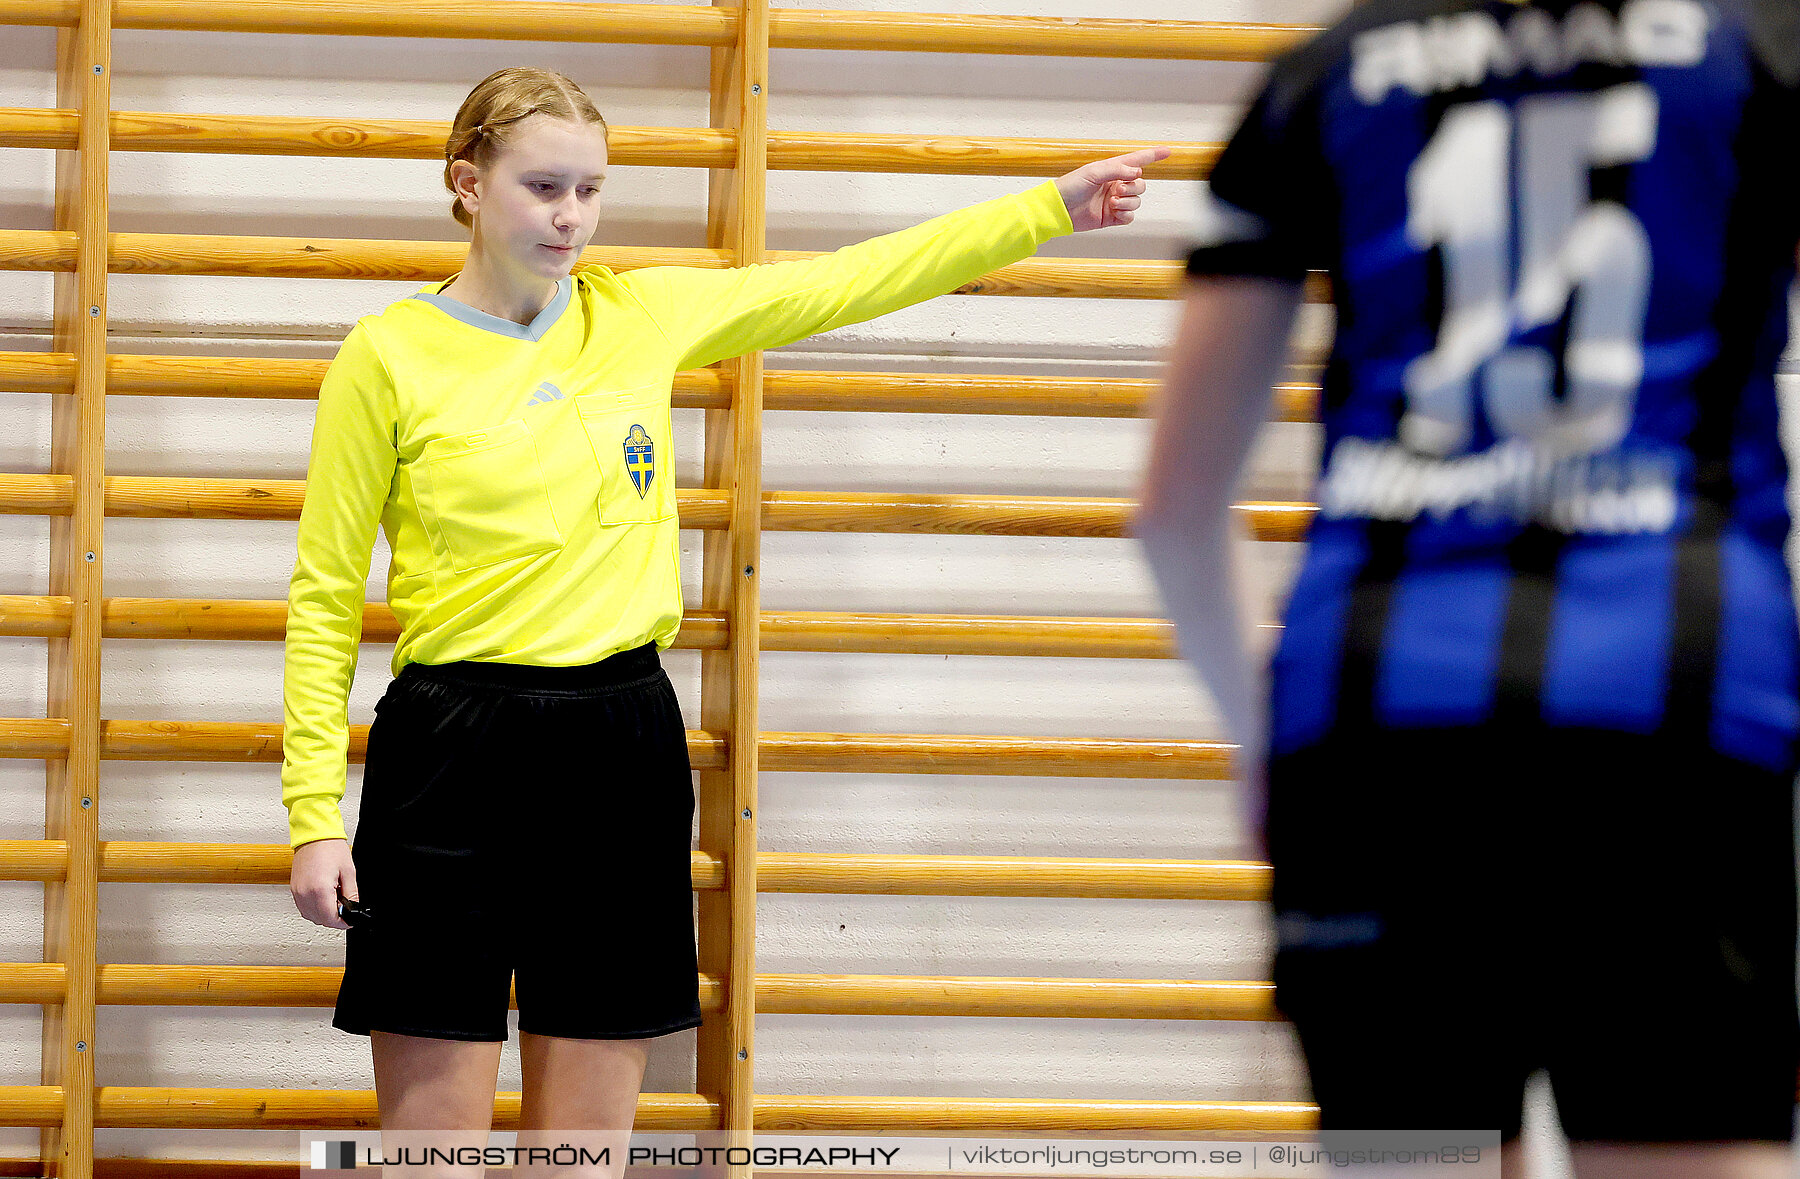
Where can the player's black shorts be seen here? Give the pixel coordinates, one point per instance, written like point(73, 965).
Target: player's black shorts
point(1457, 909)
point(528, 820)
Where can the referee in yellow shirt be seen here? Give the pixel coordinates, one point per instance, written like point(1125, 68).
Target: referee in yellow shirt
point(527, 802)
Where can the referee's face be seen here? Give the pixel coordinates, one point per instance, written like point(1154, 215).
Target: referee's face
point(541, 203)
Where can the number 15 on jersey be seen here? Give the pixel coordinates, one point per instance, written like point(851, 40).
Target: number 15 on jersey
point(1505, 272)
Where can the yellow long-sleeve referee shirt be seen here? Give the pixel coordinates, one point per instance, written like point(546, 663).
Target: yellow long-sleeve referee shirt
point(524, 473)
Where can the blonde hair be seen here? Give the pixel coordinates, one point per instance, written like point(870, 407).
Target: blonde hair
point(499, 101)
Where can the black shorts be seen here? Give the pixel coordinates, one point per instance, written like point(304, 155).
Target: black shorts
point(528, 820)
point(1457, 909)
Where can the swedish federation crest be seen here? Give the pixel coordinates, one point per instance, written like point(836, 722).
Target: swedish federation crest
point(640, 459)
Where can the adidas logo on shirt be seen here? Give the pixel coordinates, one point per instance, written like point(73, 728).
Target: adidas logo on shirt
point(545, 392)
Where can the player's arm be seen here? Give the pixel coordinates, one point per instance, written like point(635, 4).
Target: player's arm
point(710, 315)
point(1214, 398)
point(1265, 221)
point(348, 476)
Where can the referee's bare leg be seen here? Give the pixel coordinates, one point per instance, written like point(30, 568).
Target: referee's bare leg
point(434, 1093)
point(581, 1094)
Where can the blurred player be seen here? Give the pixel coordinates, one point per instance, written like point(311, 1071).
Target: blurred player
point(1530, 733)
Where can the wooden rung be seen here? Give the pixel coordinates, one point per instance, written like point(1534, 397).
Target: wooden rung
point(140, 862)
point(33, 616)
point(321, 1109)
point(46, 372)
point(220, 741)
point(505, 20)
point(963, 634)
point(416, 261)
point(681, 147)
point(870, 392)
point(123, 861)
point(261, 377)
point(158, 985)
point(136, 985)
point(161, 497)
point(128, 984)
point(1014, 998)
point(286, 135)
point(847, 753)
point(1024, 1116)
point(239, 620)
point(39, 859)
point(120, 1105)
point(895, 753)
point(135, 862)
point(31, 1105)
point(989, 515)
point(791, 28)
point(970, 155)
point(993, 515)
point(1008, 876)
point(117, 1167)
point(694, 25)
point(36, 495)
point(34, 982)
point(1068, 278)
point(285, 257)
point(1296, 400)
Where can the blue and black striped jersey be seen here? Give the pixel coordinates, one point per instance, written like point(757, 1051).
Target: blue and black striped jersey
point(1560, 237)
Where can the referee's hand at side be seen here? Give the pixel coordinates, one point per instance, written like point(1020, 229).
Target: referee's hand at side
point(321, 870)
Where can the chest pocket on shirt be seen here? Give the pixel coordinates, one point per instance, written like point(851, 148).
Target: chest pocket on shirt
point(629, 432)
point(483, 494)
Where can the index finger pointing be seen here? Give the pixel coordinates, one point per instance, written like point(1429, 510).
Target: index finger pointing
point(1144, 157)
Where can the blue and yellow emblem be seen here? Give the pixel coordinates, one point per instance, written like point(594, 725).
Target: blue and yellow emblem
point(640, 459)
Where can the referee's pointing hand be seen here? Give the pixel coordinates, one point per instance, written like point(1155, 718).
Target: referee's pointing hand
point(1107, 192)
